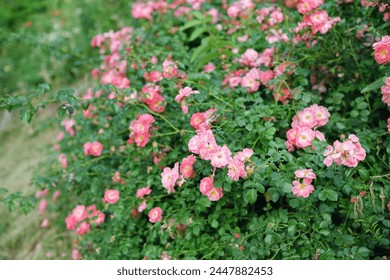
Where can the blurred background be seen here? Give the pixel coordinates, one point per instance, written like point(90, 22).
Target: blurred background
point(42, 41)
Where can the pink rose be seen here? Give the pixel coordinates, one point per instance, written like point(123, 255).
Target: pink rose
point(111, 196)
point(155, 215)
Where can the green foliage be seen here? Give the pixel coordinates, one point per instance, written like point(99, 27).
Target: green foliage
point(258, 217)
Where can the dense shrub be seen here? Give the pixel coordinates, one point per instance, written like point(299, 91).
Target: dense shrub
point(229, 130)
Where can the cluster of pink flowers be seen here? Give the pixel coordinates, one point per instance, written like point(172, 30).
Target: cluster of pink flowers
point(207, 189)
point(304, 125)
point(382, 56)
point(113, 69)
point(171, 177)
point(95, 148)
point(348, 153)
point(82, 217)
point(141, 193)
point(202, 120)
point(314, 19)
point(111, 196)
point(140, 130)
point(68, 125)
point(184, 93)
point(383, 7)
point(151, 96)
point(382, 50)
point(240, 8)
point(302, 186)
point(42, 206)
point(386, 92)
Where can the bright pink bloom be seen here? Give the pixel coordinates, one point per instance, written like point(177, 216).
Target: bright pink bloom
point(96, 149)
point(71, 222)
point(169, 177)
point(187, 166)
point(306, 118)
point(83, 228)
point(155, 215)
point(111, 196)
point(385, 90)
point(87, 148)
point(382, 50)
point(302, 189)
point(197, 120)
point(206, 185)
point(251, 80)
point(143, 192)
point(79, 213)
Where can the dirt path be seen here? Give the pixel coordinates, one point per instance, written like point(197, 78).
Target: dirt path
point(21, 237)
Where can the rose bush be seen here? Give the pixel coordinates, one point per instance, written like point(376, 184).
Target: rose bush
point(229, 130)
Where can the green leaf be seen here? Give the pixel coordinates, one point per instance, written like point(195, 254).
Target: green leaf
point(214, 223)
point(190, 24)
point(294, 203)
point(332, 195)
point(198, 51)
point(250, 196)
point(374, 85)
point(25, 116)
point(196, 33)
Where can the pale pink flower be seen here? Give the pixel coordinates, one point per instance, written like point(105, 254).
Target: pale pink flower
point(155, 215)
point(83, 228)
point(111, 196)
point(250, 58)
point(214, 194)
point(142, 10)
point(169, 69)
point(117, 177)
point(185, 93)
point(305, 173)
point(306, 118)
point(209, 67)
point(76, 255)
point(42, 206)
point(143, 192)
point(141, 206)
point(236, 169)
point(220, 157)
point(214, 15)
point(169, 177)
point(302, 189)
point(79, 213)
point(251, 80)
point(206, 184)
point(305, 137)
point(63, 160)
point(45, 223)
